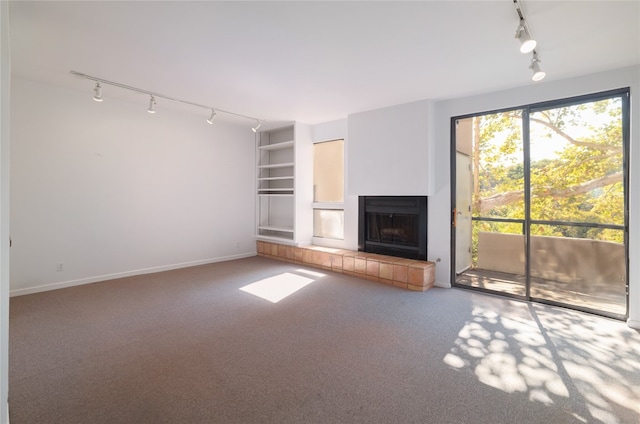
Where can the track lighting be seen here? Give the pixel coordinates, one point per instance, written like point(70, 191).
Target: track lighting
point(152, 101)
point(212, 117)
point(527, 44)
point(152, 105)
point(538, 73)
point(98, 90)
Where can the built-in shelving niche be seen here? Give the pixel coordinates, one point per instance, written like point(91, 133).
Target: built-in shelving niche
point(276, 179)
point(284, 183)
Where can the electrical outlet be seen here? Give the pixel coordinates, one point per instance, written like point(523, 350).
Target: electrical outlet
point(59, 266)
point(237, 244)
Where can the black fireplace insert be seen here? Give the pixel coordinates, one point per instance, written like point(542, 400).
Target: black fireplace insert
point(393, 225)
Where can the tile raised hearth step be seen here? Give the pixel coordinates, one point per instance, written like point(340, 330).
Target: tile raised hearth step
point(406, 273)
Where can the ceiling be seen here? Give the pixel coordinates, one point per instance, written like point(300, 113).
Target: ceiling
point(315, 61)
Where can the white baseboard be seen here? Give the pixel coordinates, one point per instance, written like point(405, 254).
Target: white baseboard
point(633, 324)
point(442, 285)
point(95, 279)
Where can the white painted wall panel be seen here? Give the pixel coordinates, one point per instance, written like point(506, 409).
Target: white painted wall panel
point(303, 184)
point(5, 81)
point(110, 190)
point(328, 131)
point(388, 151)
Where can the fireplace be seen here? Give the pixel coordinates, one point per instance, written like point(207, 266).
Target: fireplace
point(393, 225)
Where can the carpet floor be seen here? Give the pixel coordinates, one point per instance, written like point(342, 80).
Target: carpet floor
point(260, 341)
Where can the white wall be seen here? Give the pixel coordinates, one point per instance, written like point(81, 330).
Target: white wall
point(110, 190)
point(389, 151)
point(303, 184)
point(5, 73)
point(440, 202)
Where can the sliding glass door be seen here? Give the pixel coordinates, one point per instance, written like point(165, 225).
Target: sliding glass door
point(577, 244)
point(494, 145)
point(549, 202)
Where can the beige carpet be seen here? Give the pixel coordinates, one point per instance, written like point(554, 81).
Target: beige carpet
point(213, 344)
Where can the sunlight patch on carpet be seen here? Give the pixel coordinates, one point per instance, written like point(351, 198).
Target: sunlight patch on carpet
point(311, 273)
point(278, 287)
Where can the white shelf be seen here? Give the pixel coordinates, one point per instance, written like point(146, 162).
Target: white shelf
point(276, 195)
point(277, 146)
point(276, 165)
point(279, 229)
point(275, 178)
point(275, 189)
point(279, 240)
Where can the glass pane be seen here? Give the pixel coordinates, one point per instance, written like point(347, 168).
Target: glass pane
point(498, 258)
point(328, 171)
point(498, 171)
point(576, 163)
point(579, 266)
point(328, 223)
point(392, 228)
point(577, 176)
point(495, 146)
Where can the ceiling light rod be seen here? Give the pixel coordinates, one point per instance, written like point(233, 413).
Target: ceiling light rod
point(158, 95)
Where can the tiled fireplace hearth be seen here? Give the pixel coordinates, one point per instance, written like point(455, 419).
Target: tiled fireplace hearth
point(405, 273)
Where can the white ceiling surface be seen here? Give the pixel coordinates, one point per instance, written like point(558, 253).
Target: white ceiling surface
point(314, 61)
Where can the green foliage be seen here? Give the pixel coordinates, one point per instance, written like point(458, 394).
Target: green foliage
point(576, 169)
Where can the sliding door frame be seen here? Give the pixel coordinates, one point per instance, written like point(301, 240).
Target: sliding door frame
point(527, 110)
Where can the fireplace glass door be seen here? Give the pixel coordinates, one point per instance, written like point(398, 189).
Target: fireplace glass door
point(390, 228)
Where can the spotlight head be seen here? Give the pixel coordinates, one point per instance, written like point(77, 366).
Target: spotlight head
point(212, 117)
point(98, 92)
point(538, 73)
point(527, 44)
point(255, 129)
point(152, 105)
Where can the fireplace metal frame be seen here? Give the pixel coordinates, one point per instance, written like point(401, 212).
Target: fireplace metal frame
point(409, 205)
